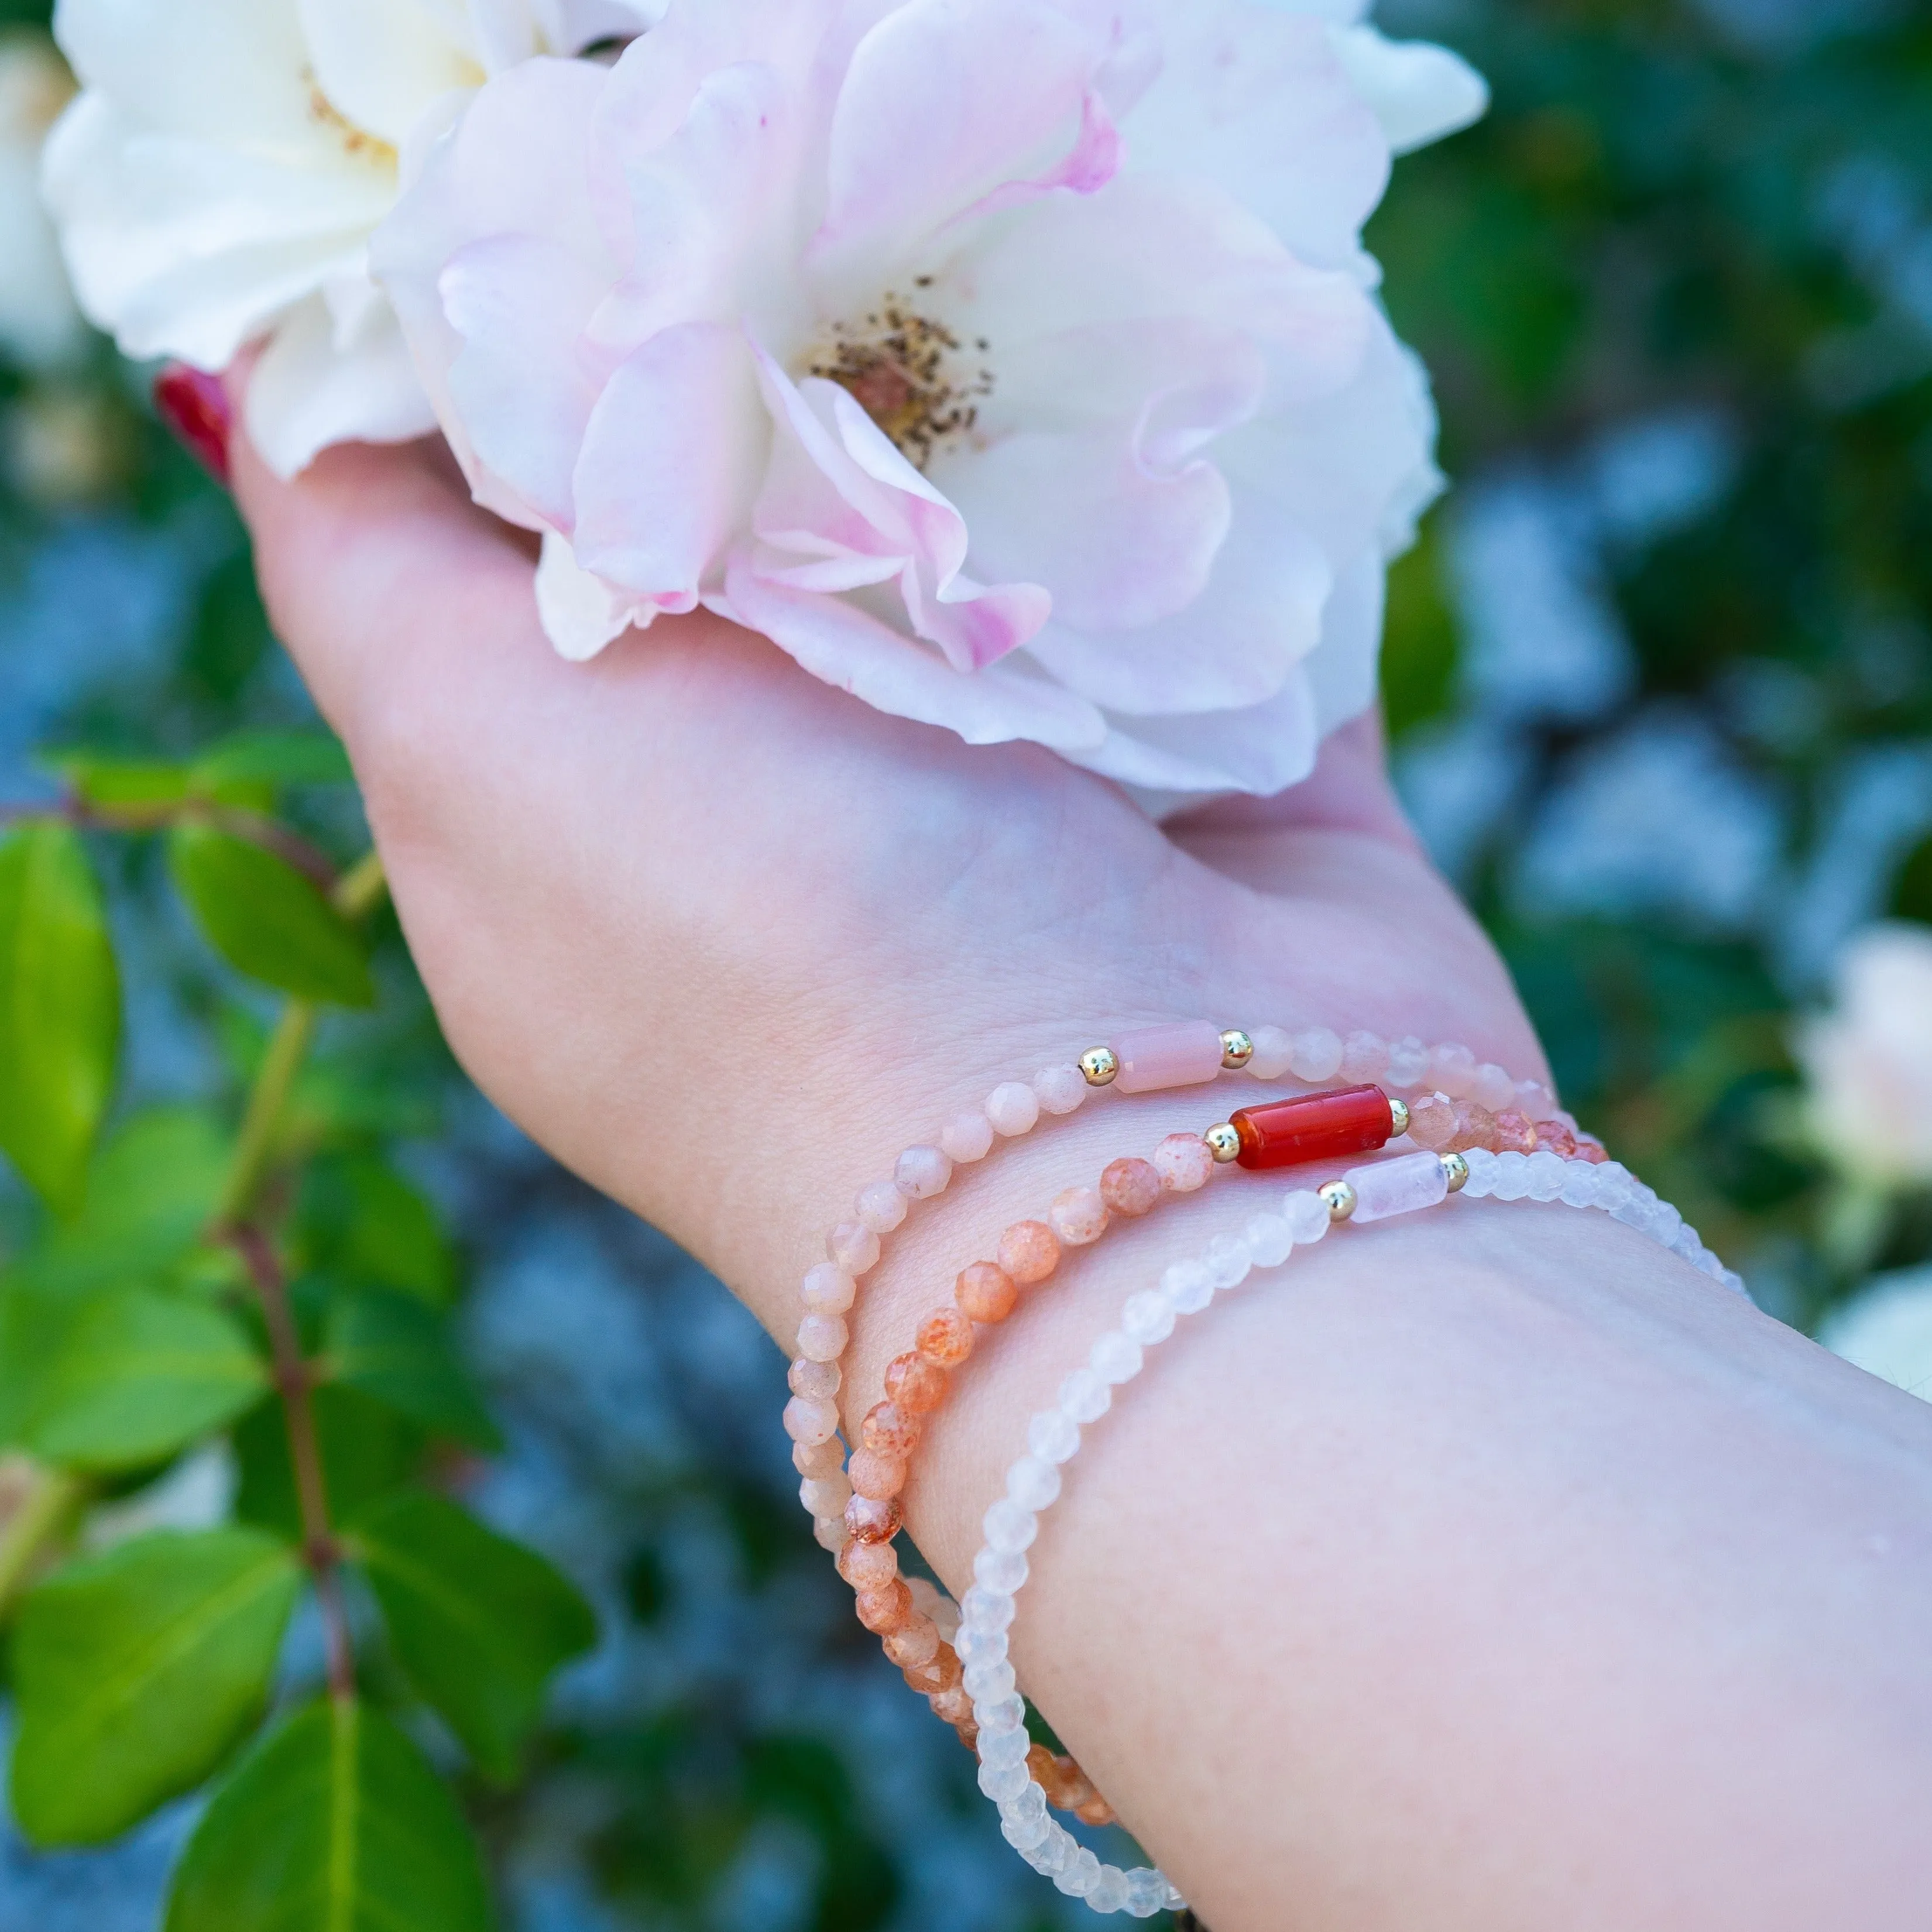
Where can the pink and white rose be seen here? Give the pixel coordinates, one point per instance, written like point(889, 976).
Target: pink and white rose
point(1013, 365)
point(217, 182)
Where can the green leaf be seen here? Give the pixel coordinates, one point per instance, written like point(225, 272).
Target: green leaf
point(361, 1219)
point(400, 1352)
point(60, 1010)
point(267, 920)
point(140, 1376)
point(154, 1188)
point(275, 758)
point(478, 1623)
point(335, 1823)
point(135, 1673)
point(109, 781)
point(368, 1452)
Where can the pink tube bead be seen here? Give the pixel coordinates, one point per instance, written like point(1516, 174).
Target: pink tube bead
point(1398, 1186)
point(1156, 1058)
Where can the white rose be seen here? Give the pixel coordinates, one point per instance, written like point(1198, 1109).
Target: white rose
point(1869, 1062)
point(219, 177)
point(39, 324)
point(1887, 1331)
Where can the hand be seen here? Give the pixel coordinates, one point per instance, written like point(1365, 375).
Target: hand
point(723, 939)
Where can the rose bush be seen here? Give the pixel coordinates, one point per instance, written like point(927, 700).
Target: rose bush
point(217, 182)
point(1014, 365)
point(1869, 1061)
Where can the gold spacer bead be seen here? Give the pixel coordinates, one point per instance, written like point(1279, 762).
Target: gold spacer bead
point(1224, 1143)
point(1399, 1113)
point(1236, 1049)
point(1101, 1065)
point(1339, 1198)
point(1455, 1170)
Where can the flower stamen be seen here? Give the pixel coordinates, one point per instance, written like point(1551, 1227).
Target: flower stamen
point(899, 367)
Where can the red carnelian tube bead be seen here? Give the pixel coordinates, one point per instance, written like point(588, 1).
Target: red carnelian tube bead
point(1318, 1126)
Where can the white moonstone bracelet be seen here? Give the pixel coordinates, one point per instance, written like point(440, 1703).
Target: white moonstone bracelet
point(1034, 1483)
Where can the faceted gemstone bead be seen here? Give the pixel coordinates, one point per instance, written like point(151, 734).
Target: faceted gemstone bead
point(1475, 1127)
point(1408, 1063)
point(942, 1674)
point(1393, 1187)
point(879, 1478)
point(810, 1421)
point(913, 1384)
point(887, 1430)
point(1268, 1240)
point(1553, 1137)
point(1078, 1216)
point(1316, 1055)
point(1013, 1109)
point(826, 1458)
point(886, 1609)
point(1185, 1163)
point(921, 1172)
point(1453, 1069)
point(1156, 1059)
point(829, 1535)
point(1516, 1133)
point(967, 1138)
point(916, 1643)
point(822, 1338)
point(817, 1381)
point(945, 1338)
point(1062, 1089)
point(828, 1289)
point(825, 1496)
point(1494, 1087)
point(880, 1207)
point(871, 1520)
point(1432, 1121)
point(1146, 1320)
point(1131, 1188)
point(951, 1706)
point(1117, 1357)
point(854, 1247)
point(1096, 1811)
point(868, 1566)
point(1306, 1214)
point(1316, 1126)
point(1594, 1151)
point(1364, 1057)
point(1274, 1053)
point(1029, 1251)
point(985, 1292)
point(1534, 1099)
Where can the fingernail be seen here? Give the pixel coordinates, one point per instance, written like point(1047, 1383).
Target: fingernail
point(195, 406)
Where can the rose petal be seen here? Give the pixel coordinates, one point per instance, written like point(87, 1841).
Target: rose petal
point(311, 389)
point(581, 614)
point(842, 645)
point(670, 463)
point(1417, 92)
point(380, 63)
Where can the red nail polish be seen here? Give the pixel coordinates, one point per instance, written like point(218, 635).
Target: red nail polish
point(195, 406)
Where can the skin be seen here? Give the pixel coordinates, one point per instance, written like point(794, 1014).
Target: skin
point(1492, 1570)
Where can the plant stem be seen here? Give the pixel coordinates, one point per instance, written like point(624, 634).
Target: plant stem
point(45, 1512)
point(238, 821)
point(319, 1550)
point(360, 890)
point(287, 1049)
point(355, 894)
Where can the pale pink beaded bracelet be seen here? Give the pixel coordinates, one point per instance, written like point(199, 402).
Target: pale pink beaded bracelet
point(1017, 1774)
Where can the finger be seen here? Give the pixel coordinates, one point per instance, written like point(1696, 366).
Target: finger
point(1266, 843)
point(375, 559)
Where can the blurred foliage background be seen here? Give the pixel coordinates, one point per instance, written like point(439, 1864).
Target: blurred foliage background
point(1660, 678)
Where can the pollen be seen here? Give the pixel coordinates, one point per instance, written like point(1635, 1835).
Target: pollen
point(363, 145)
point(910, 374)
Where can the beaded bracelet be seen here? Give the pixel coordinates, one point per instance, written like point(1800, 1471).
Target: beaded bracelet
point(1150, 1060)
point(1014, 1772)
point(1286, 1132)
point(1157, 1059)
